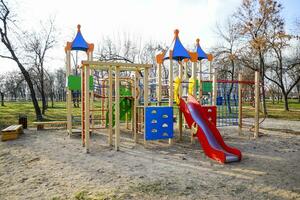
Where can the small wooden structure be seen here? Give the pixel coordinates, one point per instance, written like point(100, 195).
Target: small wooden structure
point(86, 97)
point(41, 125)
point(12, 132)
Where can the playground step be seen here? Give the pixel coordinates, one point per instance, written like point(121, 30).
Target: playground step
point(12, 132)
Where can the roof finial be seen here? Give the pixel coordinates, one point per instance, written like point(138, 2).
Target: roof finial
point(198, 42)
point(78, 27)
point(176, 32)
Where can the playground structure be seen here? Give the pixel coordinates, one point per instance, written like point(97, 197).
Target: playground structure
point(205, 102)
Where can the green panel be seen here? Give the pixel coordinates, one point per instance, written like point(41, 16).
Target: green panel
point(125, 105)
point(74, 82)
point(197, 86)
point(91, 83)
point(125, 108)
point(207, 86)
point(124, 91)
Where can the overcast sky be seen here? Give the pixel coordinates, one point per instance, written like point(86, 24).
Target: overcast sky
point(147, 19)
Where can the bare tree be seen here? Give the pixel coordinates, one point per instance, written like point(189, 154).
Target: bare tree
point(37, 47)
point(13, 85)
point(5, 31)
point(286, 74)
point(60, 84)
point(127, 49)
point(254, 18)
point(227, 51)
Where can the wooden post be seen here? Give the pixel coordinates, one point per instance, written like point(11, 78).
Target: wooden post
point(87, 108)
point(136, 101)
point(210, 70)
point(214, 85)
point(83, 133)
point(180, 121)
point(133, 92)
point(257, 102)
point(117, 108)
point(194, 68)
point(200, 82)
point(240, 104)
point(171, 95)
point(146, 91)
point(69, 94)
point(90, 58)
point(159, 89)
point(110, 107)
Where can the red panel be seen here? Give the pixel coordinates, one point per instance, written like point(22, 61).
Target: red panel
point(211, 113)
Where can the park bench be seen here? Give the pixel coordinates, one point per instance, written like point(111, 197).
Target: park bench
point(41, 125)
point(12, 132)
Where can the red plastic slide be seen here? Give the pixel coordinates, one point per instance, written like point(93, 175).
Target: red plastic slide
point(208, 135)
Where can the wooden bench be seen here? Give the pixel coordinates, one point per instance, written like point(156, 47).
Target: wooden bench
point(41, 125)
point(12, 132)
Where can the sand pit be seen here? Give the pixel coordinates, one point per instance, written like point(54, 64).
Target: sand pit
point(50, 165)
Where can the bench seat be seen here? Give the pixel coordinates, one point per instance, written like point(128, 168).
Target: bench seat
point(12, 132)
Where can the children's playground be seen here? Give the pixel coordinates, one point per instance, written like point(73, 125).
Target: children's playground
point(145, 133)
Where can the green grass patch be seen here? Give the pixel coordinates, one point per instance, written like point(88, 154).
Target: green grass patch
point(9, 114)
point(276, 110)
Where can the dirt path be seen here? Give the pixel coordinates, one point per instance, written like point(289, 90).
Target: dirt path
point(49, 165)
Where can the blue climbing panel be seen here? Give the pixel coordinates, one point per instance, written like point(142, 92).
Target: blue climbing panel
point(159, 123)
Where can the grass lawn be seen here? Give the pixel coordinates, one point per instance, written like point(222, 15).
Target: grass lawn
point(9, 114)
point(276, 110)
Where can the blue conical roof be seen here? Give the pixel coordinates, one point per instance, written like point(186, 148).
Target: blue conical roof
point(177, 50)
point(201, 54)
point(79, 43)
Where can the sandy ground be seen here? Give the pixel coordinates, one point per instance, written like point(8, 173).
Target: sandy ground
point(50, 165)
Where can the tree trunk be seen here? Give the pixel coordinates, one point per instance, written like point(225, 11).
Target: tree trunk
point(26, 75)
point(52, 99)
point(273, 98)
point(262, 75)
point(2, 98)
point(286, 102)
point(298, 91)
point(38, 113)
point(44, 103)
point(52, 102)
point(231, 86)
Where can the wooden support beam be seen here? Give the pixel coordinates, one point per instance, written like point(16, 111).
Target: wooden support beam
point(146, 96)
point(83, 107)
point(194, 68)
point(159, 89)
point(69, 94)
point(136, 102)
point(214, 85)
point(110, 108)
point(180, 121)
point(122, 66)
point(87, 108)
point(90, 58)
point(171, 94)
point(117, 109)
point(200, 82)
point(210, 70)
